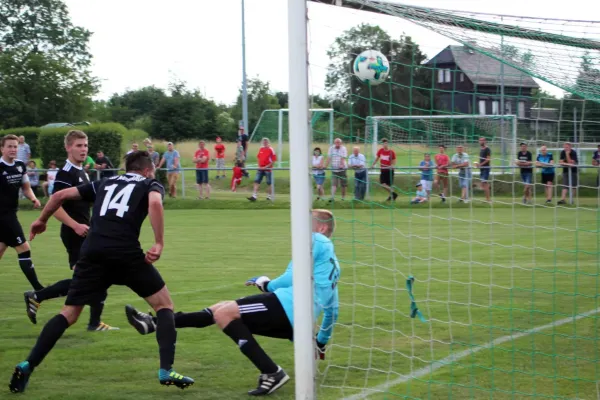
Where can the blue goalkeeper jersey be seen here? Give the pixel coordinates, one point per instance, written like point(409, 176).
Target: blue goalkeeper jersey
point(326, 273)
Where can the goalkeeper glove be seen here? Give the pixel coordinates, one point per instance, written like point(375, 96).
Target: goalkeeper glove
point(260, 282)
point(320, 350)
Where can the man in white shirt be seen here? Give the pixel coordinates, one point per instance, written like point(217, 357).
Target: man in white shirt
point(357, 162)
point(336, 157)
point(461, 161)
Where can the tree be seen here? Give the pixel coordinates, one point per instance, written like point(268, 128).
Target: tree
point(132, 105)
point(260, 98)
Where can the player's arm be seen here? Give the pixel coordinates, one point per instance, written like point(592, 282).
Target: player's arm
point(375, 162)
point(61, 214)
point(330, 317)
point(157, 220)
point(56, 200)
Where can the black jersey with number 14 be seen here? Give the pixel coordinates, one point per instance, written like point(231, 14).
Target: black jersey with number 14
point(120, 208)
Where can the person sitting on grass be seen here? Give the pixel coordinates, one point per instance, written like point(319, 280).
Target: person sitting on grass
point(238, 172)
point(421, 196)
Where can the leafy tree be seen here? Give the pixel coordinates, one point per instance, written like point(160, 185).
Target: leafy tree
point(260, 98)
point(225, 126)
point(134, 104)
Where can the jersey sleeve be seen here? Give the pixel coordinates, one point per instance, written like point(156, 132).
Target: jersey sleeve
point(62, 181)
point(283, 281)
point(155, 186)
point(88, 191)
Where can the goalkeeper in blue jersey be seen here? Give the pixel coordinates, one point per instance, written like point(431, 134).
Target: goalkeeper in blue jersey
point(270, 313)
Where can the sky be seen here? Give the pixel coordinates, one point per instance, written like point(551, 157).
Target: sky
point(138, 43)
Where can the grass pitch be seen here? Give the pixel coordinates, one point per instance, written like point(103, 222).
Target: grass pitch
point(481, 275)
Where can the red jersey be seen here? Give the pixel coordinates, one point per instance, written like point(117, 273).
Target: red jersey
point(266, 156)
point(442, 159)
point(237, 173)
point(386, 157)
point(220, 150)
point(202, 153)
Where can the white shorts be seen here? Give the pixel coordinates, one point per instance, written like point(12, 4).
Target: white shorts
point(426, 185)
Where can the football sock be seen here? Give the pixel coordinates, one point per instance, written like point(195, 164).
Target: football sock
point(199, 319)
point(166, 336)
point(242, 336)
point(27, 267)
point(59, 289)
point(52, 331)
point(96, 313)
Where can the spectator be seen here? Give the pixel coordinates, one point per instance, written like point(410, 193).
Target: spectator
point(154, 156)
point(485, 159)
point(201, 157)
point(421, 195)
point(23, 150)
point(34, 177)
point(236, 178)
point(318, 172)
point(358, 163)
point(104, 165)
point(596, 163)
point(243, 137)
point(546, 161)
point(89, 164)
point(461, 161)
point(525, 161)
point(387, 160)
point(266, 157)
point(134, 147)
point(427, 166)
point(148, 143)
point(171, 158)
point(441, 180)
point(220, 158)
point(569, 160)
point(336, 157)
point(48, 186)
point(240, 156)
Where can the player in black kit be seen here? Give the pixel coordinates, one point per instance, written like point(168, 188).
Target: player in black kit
point(13, 176)
point(75, 218)
point(112, 255)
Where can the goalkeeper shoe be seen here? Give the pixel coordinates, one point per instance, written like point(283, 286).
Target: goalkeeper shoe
point(32, 306)
point(102, 327)
point(172, 378)
point(20, 377)
point(268, 383)
point(142, 322)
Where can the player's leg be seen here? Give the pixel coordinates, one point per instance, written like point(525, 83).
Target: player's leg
point(24, 255)
point(335, 180)
point(199, 183)
point(343, 183)
point(146, 323)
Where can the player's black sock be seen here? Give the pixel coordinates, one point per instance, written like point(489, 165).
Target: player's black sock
point(166, 336)
point(52, 331)
point(27, 267)
point(59, 289)
point(96, 313)
point(199, 319)
point(242, 336)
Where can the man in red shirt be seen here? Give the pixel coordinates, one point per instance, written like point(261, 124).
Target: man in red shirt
point(201, 157)
point(442, 161)
point(266, 157)
point(387, 160)
point(220, 158)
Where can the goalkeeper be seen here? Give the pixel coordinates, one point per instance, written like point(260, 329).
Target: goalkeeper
point(270, 313)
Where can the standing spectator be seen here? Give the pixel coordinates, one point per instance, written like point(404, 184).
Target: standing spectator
point(154, 156)
point(318, 172)
point(134, 147)
point(546, 161)
point(387, 160)
point(336, 157)
point(48, 186)
point(441, 180)
point(266, 157)
point(569, 160)
point(23, 150)
point(171, 158)
point(240, 156)
point(525, 161)
point(461, 161)
point(243, 137)
point(485, 159)
point(104, 165)
point(201, 157)
point(358, 163)
point(596, 163)
point(220, 158)
point(421, 196)
point(34, 177)
point(427, 166)
point(236, 178)
point(148, 143)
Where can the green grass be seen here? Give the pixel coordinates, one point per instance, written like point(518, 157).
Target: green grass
point(481, 274)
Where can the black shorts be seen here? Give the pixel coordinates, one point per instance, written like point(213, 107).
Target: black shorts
point(264, 315)
point(72, 242)
point(386, 177)
point(547, 178)
point(95, 273)
point(11, 232)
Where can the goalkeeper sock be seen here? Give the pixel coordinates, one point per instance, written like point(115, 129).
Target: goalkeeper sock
point(200, 319)
point(166, 336)
point(28, 269)
point(53, 330)
point(59, 289)
point(242, 336)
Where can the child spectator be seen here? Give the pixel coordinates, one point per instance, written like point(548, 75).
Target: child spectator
point(236, 179)
point(421, 195)
point(220, 158)
point(427, 166)
point(240, 156)
point(34, 177)
point(48, 186)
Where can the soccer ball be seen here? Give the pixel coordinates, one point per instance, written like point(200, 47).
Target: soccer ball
point(372, 67)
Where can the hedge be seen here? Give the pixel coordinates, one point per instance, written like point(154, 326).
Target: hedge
point(31, 134)
point(106, 137)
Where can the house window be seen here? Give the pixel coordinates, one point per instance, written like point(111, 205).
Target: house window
point(521, 109)
point(508, 108)
point(495, 107)
point(462, 77)
point(440, 76)
point(447, 75)
point(481, 107)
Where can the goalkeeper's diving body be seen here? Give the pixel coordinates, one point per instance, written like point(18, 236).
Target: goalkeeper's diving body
point(270, 313)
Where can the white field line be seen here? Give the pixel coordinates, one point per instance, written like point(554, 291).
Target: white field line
point(465, 353)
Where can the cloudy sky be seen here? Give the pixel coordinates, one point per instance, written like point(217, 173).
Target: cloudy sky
point(149, 42)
